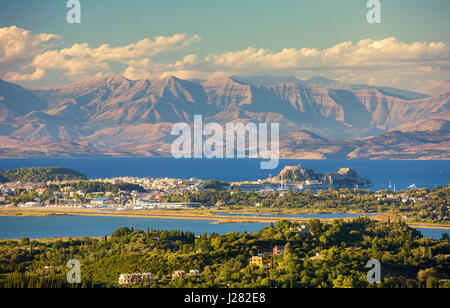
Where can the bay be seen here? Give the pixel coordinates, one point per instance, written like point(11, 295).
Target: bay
point(402, 173)
point(433, 233)
point(425, 174)
point(12, 227)
point(95, 226)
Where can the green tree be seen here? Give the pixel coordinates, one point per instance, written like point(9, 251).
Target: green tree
point(25, 241)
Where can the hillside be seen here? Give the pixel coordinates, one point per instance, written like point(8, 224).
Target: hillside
point(430, 125)
point(420, 144)
point(437, 88)
point(344, 178)
point(116, 116)
point(37, 175)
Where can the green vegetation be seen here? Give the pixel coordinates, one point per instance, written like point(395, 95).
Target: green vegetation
point(2, 178)
point(92, 186)
point(344, 248)
point(214, 184)
point(89, 187)
point(425, 206)
point(37, 175)
point(419, 205)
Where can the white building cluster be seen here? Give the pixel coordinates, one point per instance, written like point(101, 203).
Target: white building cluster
point(127, 279)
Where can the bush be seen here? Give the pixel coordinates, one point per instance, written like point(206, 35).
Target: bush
point(25, 241)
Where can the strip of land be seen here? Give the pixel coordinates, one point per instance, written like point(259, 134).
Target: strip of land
point(200, 214)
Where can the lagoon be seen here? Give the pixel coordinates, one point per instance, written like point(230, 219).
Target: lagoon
point(12, 227)
point(94, 226)
point(425, 174)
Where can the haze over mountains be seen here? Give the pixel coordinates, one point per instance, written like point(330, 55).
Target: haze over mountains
point(436, 88)
point(117, 116)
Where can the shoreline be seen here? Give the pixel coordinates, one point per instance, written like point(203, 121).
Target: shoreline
point(267, 216)
point(282, 157)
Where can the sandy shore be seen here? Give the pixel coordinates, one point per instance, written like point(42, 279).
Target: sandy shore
point(178, 214)
point(270, 216)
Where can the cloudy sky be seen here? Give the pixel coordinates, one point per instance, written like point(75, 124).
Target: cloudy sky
point(212, 38)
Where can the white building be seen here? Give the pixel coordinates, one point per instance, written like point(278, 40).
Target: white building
point(312, 182)
point(101, 202)
point(30, 204)
point(194, 273)
point(125, 279)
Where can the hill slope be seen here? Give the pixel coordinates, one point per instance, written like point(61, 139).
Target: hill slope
point(38, 175)
point(116, 116)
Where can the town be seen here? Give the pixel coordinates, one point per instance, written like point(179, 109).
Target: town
point(294, 188)
point(138, 193)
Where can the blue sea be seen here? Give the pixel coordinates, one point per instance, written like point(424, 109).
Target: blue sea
point(424, 174)
point(80, 226)
point(88, 226)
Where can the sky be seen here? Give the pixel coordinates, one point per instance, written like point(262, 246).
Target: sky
point(204, 39)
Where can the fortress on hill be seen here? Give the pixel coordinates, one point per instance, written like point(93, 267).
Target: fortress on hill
point(344, 178)
point(296, 178)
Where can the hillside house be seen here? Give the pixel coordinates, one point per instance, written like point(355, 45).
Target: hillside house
point(127, 279)
point(179, 274)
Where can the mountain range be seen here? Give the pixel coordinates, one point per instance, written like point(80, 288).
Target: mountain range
point(319, 117)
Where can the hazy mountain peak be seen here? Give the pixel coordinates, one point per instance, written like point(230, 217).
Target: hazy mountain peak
point(322, 82)
point(433, 125)
point(169, 78)
point(100, 81)
point(267, 80)
point(223, 81)
point(108, 103)
point(321, 79)
point(436, 88)
point(17, 101)
point(110, 79)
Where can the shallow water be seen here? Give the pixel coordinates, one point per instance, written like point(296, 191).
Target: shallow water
point(94, 226)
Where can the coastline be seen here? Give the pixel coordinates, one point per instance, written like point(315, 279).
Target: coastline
point(269, 216)
point(283, 156)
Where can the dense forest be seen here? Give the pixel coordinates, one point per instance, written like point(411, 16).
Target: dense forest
point(37, 175)
point(332, 255)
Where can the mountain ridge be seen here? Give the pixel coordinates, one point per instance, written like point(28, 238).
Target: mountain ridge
point(107, 115)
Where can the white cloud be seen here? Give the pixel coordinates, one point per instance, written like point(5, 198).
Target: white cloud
point(364, 53)
point(18, 44)
point(17, 48)
point(368, 60)
point(81, 59)
point(37, 75)
point(26, 57)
